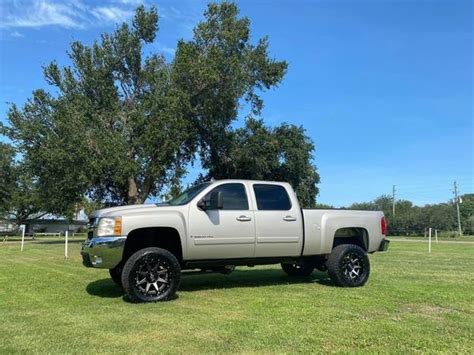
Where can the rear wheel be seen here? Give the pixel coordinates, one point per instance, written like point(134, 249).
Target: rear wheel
point(348, 265)
point(151, 275)
point(298, 269)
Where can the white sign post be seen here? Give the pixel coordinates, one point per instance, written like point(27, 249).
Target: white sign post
point(65, 243)
point(429, 240)
point(436, 236)
point(23, 227)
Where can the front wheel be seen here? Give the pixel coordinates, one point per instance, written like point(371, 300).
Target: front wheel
point(348, 265)
point(298, 269)
point(116, 275)
point(151, 275)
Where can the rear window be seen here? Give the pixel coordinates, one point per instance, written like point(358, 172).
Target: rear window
point(271, 197)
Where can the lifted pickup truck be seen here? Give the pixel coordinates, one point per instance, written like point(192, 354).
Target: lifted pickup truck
point(215, 226)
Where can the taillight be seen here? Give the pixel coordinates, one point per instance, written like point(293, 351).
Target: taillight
point(383, 226)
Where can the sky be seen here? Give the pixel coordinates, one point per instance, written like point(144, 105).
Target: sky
point(384, 88)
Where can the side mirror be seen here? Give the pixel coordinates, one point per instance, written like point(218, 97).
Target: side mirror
point(204, 203)
point(212, 201)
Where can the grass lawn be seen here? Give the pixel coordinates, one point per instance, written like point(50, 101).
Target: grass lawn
point(412, 302)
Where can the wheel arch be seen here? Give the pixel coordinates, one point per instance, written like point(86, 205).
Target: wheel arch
point(168, 238)
point(351, 235)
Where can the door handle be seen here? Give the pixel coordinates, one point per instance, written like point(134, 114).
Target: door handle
point(289, 218)
point(243, 219)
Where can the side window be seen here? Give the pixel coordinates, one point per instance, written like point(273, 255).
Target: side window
point(271, 197)
point(233, 196)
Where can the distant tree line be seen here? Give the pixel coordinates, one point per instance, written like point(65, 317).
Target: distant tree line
point(122, 124)
point(413, 220)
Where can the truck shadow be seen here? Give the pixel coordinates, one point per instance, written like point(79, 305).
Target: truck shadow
point(194, 281)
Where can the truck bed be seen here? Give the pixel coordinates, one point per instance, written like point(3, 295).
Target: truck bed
point(321, 226)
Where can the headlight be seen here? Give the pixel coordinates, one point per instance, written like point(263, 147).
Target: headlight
point(109, 226)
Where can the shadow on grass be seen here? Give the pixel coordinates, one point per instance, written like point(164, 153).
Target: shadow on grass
point(194, 281)
point(104, 288)
point(248, 278)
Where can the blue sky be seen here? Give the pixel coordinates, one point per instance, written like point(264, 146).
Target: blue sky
point(384, 88)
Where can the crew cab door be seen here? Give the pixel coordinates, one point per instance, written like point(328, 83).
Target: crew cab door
point(223, 233)
point(278, 221)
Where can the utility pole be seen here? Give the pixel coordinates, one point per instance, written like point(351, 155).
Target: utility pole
point(456, 199)
point(393, 200)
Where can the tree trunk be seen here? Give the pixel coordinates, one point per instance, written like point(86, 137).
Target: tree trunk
point(133, 198)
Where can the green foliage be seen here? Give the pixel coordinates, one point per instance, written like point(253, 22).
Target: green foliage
point(466, 209)
point(410, 219)
point(323, 206)
point(214, 71)
point(19, 192)
point(414, 302)
point(7, 177)
point(113, 131)
point(122, 126)
point(90, 206)
point(283, 153)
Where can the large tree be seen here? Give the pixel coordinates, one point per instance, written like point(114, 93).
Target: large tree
point(113, 129)
point(410, 219)
point(7, 177)
point(119, 126)
point(19, 194)
point(282, 153)
point(217, 71)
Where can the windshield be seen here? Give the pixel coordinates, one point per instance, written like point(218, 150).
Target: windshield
point(187, 195)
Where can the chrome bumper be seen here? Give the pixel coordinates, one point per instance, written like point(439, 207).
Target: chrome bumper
point(103, 252)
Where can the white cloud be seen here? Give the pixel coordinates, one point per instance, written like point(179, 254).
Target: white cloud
point(180, 17)
point(37, 14)
point(130, 2)
point(65, 13)
point(111, 13)
point(17, 34)
point(167, 50)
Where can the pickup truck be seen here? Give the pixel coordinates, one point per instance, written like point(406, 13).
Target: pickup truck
point(215, 226)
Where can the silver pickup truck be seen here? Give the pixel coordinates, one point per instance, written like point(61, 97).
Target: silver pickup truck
point(215, 226)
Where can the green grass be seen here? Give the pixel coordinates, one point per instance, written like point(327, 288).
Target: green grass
point(464, 238)
point(412, 302)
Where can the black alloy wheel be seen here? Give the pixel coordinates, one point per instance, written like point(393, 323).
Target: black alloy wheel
point(348, 265)
point(151, 275)
point(116, 275)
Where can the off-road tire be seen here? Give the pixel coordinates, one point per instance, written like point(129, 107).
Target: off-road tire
point(298, 269)
point(116, 275)
point(348, 266)
point(151, 275)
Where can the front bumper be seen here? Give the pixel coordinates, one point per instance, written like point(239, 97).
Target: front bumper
point(103, 252)
point(384, 245)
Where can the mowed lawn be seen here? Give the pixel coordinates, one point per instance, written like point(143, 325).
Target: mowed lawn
point(413, 302)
